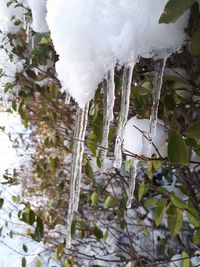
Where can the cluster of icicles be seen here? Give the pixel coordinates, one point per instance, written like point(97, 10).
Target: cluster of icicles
point(80, 131)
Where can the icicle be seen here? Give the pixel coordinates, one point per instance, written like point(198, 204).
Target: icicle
point(67, 98)
point(109, 100)
point(84, 119)
point(75, 177)
point(159, 67)
point(24, 22)
point(125, 91)
point(27, 32)
point(133, 175)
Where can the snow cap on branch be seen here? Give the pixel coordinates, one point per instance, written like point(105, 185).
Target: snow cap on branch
point(92, 36)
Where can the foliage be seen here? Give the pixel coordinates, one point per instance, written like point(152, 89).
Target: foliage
point(167, 192)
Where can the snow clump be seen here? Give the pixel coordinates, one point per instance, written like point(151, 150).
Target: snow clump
point(38, 9)
point(136, 137)
point(91, 37)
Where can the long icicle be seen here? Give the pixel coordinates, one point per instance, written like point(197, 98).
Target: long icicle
point(132, 181)
point(159, 67)
point(125, 97)
point(81, 149)
point(77, 156)
point(108, 116)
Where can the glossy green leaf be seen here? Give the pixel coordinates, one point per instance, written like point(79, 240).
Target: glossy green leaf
point(175, 222)
point(143, 189)
point(92, 143)
point(196, 237)
point(159, 211)
point(98, 233)
point(88, 169)
point(193, 130)
point(177, 149)
point(73, 229)
point(178, 202)
point(59, 251)
point(1, 202)
point(23, 262)
point(38, 263)
point(193, 219)
point(195, 41)
point(110, 202)
point(151, 202)
point(185, 262)
point(174, 9)
point(39, 230)
point(25, 248)
point(94, 198)
point(83, 228)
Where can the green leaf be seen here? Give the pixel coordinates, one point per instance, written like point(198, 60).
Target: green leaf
point(194, 220)
point(59, 251)
point(39, 230)
point(143, 189)
point(159, 211)
point(38, 263)
point(25, 248)
point(92, 143)
point(196, 237)
point(94, 198)
point(175, 222)
point(98, 126)
point(1, 202)
point(185, 259)
point(174, 9)
point(9, 3)
point(73, 229)
point(44, 41)
point(88, 169)
point(178, 202)
point(177, 149)
point(151, 202)
point(28, 216)
point(150, 170)
point(23, 262)
point(110, 202)
point(193, 130)
point(195, 40)
point(83, 228)
point(98, 233)
point(16, 199)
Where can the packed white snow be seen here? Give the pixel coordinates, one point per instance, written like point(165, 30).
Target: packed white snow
point(38, 9)
point(136, 137)
point(92, 36)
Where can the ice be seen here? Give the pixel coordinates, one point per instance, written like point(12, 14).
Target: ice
point(136, 141)
point(92, 37)
point(159, 67)
point(109, 100)
point(38, 9)
point(79, 152)
point(125, 95)
point(133, 175)
point(77, 157)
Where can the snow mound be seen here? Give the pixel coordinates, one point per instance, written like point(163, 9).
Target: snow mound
point(136, 137)
point(91, 37)
point(38, 9)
